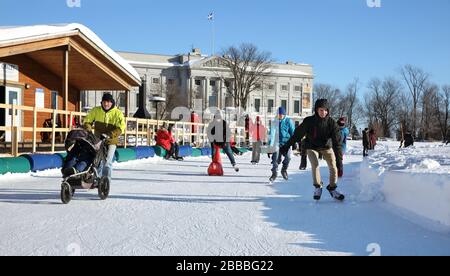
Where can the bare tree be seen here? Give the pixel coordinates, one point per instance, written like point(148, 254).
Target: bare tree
point(248, 67)
point(382, 104)
point(442, 106)
point(415, 79)
point(429, 125)
point(172, 93)
point(352, 101)
point(332, 94)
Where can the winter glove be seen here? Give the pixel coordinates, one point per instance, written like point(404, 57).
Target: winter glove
point(284, 150)
point(88, 127)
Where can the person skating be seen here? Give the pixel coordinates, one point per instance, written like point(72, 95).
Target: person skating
point(258, 134)
point(366, 142)
point(219, 134)
point(281, 131)
point(344, 134)
point(107, 120)
point(322, 136)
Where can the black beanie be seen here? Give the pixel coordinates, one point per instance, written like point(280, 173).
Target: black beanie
point(107, 98)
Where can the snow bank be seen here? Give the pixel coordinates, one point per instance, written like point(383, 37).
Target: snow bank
point(415, 179)
point(424, 194)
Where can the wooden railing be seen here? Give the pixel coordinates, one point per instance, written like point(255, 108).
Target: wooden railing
point(142, 130)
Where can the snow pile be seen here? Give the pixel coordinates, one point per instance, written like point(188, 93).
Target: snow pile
point(415, 179)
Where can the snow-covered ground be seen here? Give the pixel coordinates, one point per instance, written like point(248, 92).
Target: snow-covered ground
point(161, 207)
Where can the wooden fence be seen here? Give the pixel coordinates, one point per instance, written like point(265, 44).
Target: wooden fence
point(139, 132)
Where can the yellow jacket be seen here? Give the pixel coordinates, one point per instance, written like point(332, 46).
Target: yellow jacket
point(111, 123)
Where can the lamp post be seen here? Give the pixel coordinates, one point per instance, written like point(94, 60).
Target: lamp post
point(157, 100)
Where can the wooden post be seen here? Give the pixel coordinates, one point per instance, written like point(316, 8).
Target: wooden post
point(65, 84)
point(184, 134)
point(127, 103)
point(137, 131)
point(34, 128)
point(53, 130)
point(15, 141)
point(149, 134)
point(126, 133)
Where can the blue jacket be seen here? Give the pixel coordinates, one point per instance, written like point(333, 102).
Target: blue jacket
point(286, 129)
point(344, 134)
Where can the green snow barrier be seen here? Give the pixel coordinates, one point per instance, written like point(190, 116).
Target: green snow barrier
point(243, 150)
point(14, 165)
point(196, 153)
point(125, 155)
point(62, 154)
point(160, 151)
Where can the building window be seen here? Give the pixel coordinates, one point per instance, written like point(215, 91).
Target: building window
point(257, 105)
point(284, 104)
point(213, 101)
point(227, 84)
point(155, 80)
point(212, 83)
point(297, 107)
point(122, 100)
point(198, 82)
point(54, 99)
point(284, 87)
point(170, 81)
point(271, 86)
point(270, 105)
point(137, 99)
point(297, 88)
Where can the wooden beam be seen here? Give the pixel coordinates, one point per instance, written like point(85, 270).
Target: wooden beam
point(33, 46)
point(65, 82)
point(127, 102)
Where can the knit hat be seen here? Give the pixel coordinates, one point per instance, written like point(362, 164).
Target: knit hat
point(341, 122)
point(107, 98)
point(281, 111)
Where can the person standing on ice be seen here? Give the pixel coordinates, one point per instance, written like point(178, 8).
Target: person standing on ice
point(322, 137)
point(219, 134)
point(258, 134)
point(366, 142)
point(281, 131)
point(344, 134)
point(108, 120)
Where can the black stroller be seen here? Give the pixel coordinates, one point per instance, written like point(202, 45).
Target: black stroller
point(90, 178)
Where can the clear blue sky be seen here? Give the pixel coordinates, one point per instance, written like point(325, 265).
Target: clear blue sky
point(342, 39)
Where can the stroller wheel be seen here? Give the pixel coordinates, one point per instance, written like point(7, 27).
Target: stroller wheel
point(103, 188)
point(66, 193)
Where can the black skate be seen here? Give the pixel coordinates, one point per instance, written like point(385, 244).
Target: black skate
point(335, 194)
point(317, 193)
point(273, 177)
point(285, 175)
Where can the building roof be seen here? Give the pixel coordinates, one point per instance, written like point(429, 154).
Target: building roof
point(10, 36)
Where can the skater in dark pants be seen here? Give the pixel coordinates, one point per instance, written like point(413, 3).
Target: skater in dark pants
point(322, 136)
point(219, 134)
point(281, 131)
point(366, 142)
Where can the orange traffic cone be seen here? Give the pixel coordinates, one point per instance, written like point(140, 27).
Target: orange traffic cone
point(216, 169)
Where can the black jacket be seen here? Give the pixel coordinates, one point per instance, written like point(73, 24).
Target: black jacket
point(321, 134)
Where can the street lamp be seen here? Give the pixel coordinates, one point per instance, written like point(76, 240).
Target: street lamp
point(157, 100)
